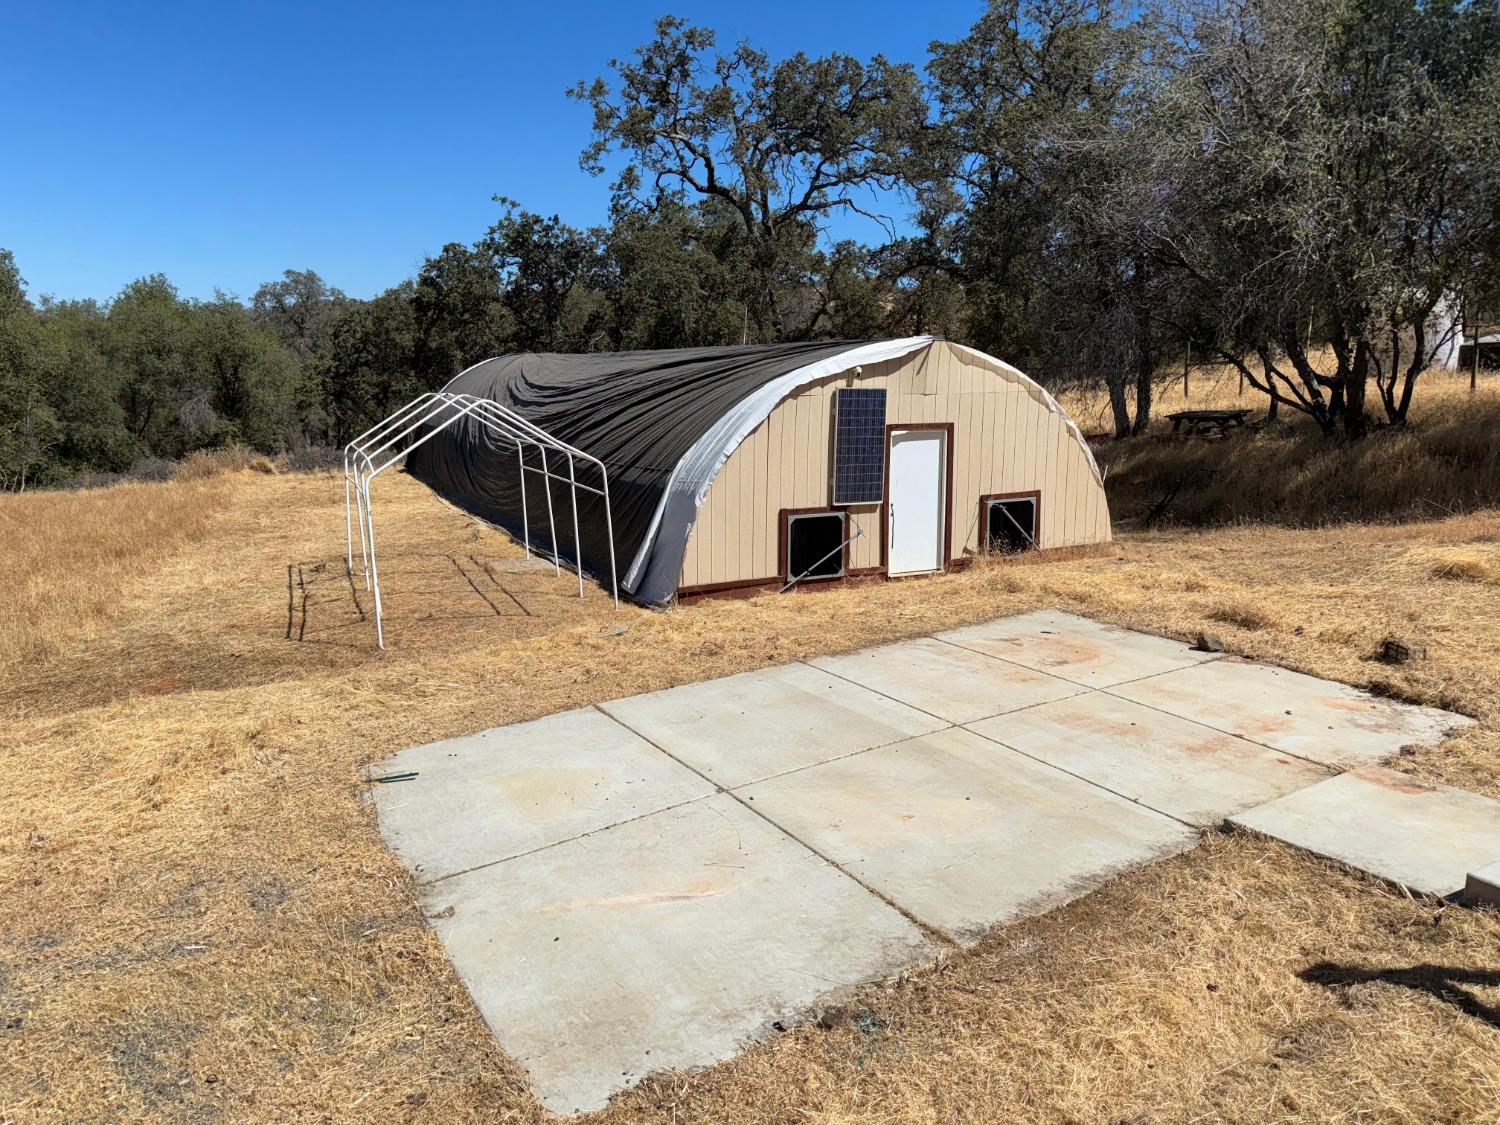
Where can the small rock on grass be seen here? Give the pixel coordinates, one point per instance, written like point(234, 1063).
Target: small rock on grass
point(1208, 642)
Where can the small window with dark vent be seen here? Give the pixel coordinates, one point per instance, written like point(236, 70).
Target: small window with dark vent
point(858, 445)
point(1011, 524)
point(814, 546)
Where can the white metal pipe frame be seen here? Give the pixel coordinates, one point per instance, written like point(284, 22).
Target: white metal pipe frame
point(386, 443)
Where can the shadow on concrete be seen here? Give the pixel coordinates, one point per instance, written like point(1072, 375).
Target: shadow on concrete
point(1443, 982)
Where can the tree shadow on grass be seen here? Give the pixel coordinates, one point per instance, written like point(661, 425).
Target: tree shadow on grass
point(1443, 982)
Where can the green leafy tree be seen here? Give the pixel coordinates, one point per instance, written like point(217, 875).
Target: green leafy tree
point(298, 308)
point(28, 427)
point(84, 393)
point(368, 368)
point(674, 276)
point(252, 376)
point(459, 310)
point(540, 262)
point(780, 147)
point(149, 342)
point(1028, 73)
point(1334, 175)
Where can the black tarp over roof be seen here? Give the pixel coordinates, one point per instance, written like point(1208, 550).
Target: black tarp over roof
point(638, 412)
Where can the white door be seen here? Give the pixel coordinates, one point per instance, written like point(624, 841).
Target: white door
point(914, 533)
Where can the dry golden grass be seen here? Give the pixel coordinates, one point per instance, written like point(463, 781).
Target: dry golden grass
point(202, 923)
point(1218, 387)
point(1475, 565)
point(1244, 614)
point(1214, 387)
point(68, 556)
point(1446, 461)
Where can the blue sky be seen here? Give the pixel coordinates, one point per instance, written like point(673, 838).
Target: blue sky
point(220, 143)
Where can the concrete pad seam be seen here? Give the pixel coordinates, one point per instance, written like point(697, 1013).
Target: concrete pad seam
point(722, 788)
point(1082, 690)
point(1016, 664)
point(926, 927)
point(1055, 674)
point(1333, 771)
point(1151, 675)
point(568, 839)
point(836, 758)
point(883, 695)
point(1085, 780)
point(1085, 691)
point(1074, 698)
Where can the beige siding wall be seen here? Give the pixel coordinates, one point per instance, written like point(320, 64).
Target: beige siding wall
point(1004, 440)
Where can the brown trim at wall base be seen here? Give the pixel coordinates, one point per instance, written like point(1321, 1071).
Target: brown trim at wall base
point(885, 505)
point(984, 527)
point(754, 587)
point(750, 588)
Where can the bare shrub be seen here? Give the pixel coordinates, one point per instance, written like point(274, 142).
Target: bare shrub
point(305, 458)
point(152, 470)
point(205, 463)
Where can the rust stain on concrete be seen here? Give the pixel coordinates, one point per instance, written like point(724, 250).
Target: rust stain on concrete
point(1055, 651)
point(630, 902)
point(1396, 782)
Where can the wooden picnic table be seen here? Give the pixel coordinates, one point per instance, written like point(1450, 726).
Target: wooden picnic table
point(1206, 421)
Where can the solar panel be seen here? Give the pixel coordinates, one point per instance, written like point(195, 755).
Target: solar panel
point(858, 446)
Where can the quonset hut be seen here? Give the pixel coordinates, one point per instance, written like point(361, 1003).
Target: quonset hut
point(739, 467)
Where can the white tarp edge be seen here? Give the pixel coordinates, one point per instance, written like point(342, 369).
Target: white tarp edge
point(654, 572)
point(1039, 393)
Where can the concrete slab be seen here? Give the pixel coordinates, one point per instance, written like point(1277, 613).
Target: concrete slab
point(612, 913)
point(1425, 837)
point(962, 832)
point(501, 792)
point(1172, 765)
point(1075, 648)
point(743, 728)
point(953, 683)
point(664, 942)
point(1316, 719)
point(1482, 887)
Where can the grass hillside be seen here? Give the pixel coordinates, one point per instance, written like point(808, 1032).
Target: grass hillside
point(1445, 461)
point(202, 922)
